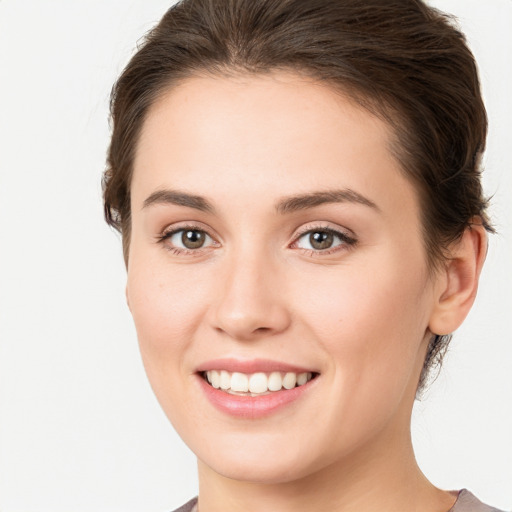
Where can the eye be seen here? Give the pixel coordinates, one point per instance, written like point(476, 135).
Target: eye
point(188, 239)
point(323, 240)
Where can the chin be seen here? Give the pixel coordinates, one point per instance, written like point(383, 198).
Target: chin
point(263, 470)
point(260, 459)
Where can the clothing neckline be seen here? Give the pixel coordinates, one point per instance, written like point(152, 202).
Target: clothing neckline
point(459, 493)
point(459, 496)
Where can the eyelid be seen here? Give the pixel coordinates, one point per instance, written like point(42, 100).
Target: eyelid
point(325, 226)
point(347, 236)
point(181, 226)
point(164, 236)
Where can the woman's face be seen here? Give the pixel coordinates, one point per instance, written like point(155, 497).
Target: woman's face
point(274, 237)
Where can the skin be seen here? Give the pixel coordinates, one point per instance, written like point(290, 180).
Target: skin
point(360, 314)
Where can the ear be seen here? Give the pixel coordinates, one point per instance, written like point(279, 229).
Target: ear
point(127, 298)
point(457, 283)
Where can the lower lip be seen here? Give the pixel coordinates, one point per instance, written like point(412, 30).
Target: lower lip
point(252, 407)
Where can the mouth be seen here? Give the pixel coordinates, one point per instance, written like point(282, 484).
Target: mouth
point(255, 388)
point(255, 384)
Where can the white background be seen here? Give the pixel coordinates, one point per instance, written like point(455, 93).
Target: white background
point(79, 427)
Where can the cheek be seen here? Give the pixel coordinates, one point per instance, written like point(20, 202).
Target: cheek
point(166, 306)
point(366, 301)
point(371, 321)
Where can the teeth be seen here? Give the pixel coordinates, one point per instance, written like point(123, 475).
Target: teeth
point(225, 380)
point(302, 378)
point(239, 382)
point(275, 381)
point(289, 381)
point(215, 379)
point(256, 383)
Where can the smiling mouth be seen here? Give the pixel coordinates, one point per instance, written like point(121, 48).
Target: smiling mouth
point(255, 384)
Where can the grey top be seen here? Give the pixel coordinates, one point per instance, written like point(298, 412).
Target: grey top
point(466, 502)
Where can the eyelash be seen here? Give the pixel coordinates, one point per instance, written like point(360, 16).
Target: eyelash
point(348, 241)
point(166, 235)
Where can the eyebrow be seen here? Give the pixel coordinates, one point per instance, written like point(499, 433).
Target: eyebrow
point(310, 200)
point(286, 205)
point(178, 198)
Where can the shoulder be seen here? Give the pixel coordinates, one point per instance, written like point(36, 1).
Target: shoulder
point(468, 502)
point(190, 506)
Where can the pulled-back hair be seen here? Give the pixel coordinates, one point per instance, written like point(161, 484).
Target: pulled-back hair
point(400, 59)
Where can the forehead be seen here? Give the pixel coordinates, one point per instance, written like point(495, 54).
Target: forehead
point(248, 135)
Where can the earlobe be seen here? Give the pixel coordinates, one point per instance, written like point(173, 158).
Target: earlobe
point(127, 298)
point(458, 281)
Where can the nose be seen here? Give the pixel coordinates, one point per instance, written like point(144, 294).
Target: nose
point(250, 302)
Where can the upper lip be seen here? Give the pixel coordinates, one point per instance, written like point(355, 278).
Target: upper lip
point(249, 366)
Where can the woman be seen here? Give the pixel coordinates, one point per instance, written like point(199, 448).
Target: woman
point(298, 188)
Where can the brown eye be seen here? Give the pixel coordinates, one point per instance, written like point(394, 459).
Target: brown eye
point(188, 239)
point(320, 240)
point(193, 239)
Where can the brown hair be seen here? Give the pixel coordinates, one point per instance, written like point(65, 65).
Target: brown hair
point(402, 60)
